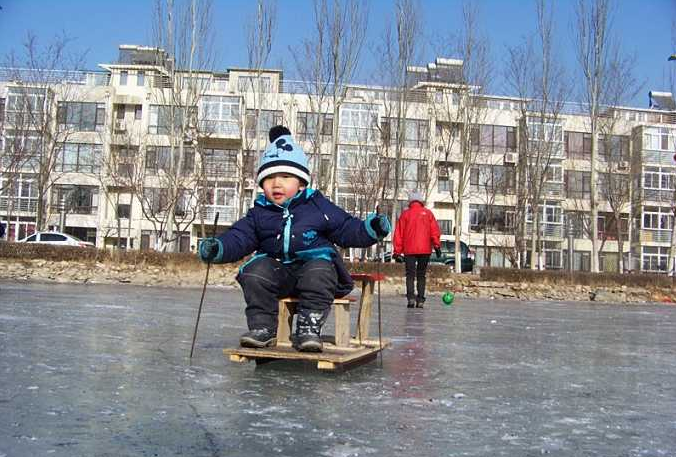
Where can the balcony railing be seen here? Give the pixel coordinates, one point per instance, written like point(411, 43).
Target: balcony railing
point(655, 195)
point(20, 205)
point(553, 190)
point(655, 236)
point(547, 229)
point(226, 214)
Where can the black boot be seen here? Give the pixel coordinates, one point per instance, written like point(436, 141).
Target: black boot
point(308, 330)
point(411, 303)
point(258, 338)
point(419, 303)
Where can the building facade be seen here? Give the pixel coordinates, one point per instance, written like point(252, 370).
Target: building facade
point(142, 156)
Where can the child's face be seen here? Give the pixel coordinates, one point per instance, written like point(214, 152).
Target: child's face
point(280, 187)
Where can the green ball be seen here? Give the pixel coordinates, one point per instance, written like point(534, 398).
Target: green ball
point(448, 298)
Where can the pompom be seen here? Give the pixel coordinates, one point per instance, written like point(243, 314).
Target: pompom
point(277, 131)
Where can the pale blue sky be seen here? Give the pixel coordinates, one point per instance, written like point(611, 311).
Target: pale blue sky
point(100, 26)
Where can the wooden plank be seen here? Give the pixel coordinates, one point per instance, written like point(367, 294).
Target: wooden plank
point(324, 365)
point(238, 358)
point(364, 318)
point(334, 355)
point(342, 318)
point(287, 308)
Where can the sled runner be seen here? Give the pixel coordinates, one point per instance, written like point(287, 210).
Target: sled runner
point(342, 350)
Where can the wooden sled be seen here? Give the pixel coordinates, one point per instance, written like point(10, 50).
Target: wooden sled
point(341, 350)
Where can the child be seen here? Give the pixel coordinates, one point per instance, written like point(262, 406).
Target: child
point(293, 228)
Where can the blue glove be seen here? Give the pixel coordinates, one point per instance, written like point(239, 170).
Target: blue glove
point(209, 249)
point(381, 225)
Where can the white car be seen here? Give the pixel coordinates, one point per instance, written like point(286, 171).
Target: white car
point(57, 239)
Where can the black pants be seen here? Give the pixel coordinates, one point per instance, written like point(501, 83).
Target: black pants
point(264, 281)
point(416, 269)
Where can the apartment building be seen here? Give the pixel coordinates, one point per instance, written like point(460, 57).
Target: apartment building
point(129, 166)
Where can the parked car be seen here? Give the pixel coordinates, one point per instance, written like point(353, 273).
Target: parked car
point(448, 256)
point(57, 239)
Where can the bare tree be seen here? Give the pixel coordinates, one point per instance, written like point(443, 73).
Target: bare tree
point(42, 81)
point(534, 74)
point(397, 51)
point(463, 108)
point(260, 35)
point(326, 63)
point(606, 80)
point(185, 32)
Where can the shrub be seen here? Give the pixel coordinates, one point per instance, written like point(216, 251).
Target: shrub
point(575, 277)
point(30, 251)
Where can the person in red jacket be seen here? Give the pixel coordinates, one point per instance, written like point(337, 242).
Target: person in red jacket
point(417, 232)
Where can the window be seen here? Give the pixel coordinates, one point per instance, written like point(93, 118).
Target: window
point(655, 258)
point(657, 218)
point(613, 147)
point(554, 173)
point(308, 123)
point(52, 237)
point(358, 123)
point(24, 106)
point(140, 78)
point(79, 157)
point(125, 158)
point(161, 117)
point(159, 158)
point(123, 77)
point(220, 163)
point(155, 200)
point(266, 121)
point(445, 226)
point(444, 185)
point(221, 194)
point(415, 134)
point(658, 139)
point(413, 173)
point(2, 111)
point(76, 199)
point(32, 238)
point(138, 112)
point(659, 178)
point(254, 84)
point(219, 115)
point(81, 116)
point(578, 184)
point(493, 179)
point(492, 218)
point(493, 138)
point(249, 163)
point(577, 145)
point(123, 211)
point(119, 112)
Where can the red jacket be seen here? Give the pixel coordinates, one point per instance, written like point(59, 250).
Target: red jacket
point(417, 231)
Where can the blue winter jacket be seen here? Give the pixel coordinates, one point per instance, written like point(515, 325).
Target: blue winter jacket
point(306, 227)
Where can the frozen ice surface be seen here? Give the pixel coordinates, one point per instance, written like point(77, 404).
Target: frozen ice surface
point(91, 370)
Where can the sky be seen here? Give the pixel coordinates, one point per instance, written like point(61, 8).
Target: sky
point(98, 27)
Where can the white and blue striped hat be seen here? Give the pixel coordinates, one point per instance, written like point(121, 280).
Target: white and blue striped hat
point(283, 155)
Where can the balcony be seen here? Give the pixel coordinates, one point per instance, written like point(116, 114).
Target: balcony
point(553, 190)
point(229, 129)
point(226, 214)
point(548, 230)
point(655, 236)
point(657, 195)
point(19, 205)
